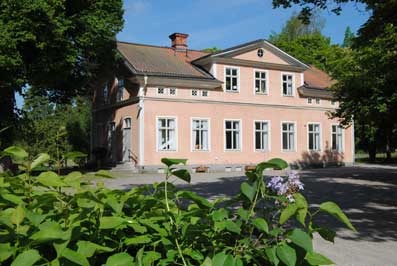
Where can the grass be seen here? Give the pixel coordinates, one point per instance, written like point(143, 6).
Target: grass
point(362, 157)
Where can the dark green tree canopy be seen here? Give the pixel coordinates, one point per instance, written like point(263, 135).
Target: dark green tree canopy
point(348, 38)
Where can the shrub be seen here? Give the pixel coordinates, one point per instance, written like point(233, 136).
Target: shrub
point(63, 220)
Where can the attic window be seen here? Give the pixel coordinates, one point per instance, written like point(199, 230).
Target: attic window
point(260, 52)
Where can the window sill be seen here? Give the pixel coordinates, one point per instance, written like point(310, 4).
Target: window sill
point(288, 151)
point(238, 91)
point(200, 150)
point(262, 93)
point(229, 150)
point(290, 96)
point(261, 151)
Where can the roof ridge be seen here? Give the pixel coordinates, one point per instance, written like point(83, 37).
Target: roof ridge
point(158, 46)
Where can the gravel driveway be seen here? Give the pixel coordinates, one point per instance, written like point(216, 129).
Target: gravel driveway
point(367, 194)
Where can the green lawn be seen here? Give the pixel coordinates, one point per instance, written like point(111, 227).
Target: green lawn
point(362, 157)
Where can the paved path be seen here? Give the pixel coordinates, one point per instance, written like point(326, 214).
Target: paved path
point(368, 195)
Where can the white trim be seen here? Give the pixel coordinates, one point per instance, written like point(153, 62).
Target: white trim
point(238, 78)
point(353, 142)
point(191, 133)
point(240, 131)
point(302, 79)
point(295, 137)
point(213, 70)
point(269, 142)
point(267, 81)
point(141, 124)
point(293, 83)
point(321, 136)
point(176, 133)
point(166, 91)
point(343, 138)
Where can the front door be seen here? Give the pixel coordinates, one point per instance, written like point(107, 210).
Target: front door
point(126, 139)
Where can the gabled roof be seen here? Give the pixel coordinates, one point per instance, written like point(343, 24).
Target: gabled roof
point(162, 61)
point(245, 47)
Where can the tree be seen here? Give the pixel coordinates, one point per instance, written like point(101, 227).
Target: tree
point(58, 47)
point(212, 50)
point(349, 37)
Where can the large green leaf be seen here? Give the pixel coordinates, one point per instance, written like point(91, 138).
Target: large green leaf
point(150, 257)
point(219, 215)
point(326, 234)
point(232, 226)
point(261, 224)
point(27, 258)
point(88, 248)
point(74, 155)
point(288, 213)
point(169, 161)
point(333, 209)
point(16, 153)
point(120, 259)
point(207, 262)
point(317, 259)
point(182, 174)
point(18, 215)
point(220, 259)
point(248, 190)
point(40, 160)
point(201, 201)
point(138, 240)
point(262, 166)
point(301, 213)
point(279, 163)
point(104, 174)
point(286, 254)
point(50, 179)
point(6, 251)
point(73, 179)
point(110, 222)
point(75, 257)
point(271, 255)
point(301, 238)
point(50, 231)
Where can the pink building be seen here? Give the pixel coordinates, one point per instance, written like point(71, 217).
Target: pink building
point(225, 110)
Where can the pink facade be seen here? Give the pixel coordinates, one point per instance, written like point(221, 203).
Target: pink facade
point(232, 124)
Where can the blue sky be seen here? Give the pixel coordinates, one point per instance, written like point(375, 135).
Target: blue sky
point(220, 23)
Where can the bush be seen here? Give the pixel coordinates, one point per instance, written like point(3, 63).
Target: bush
point(63, 220)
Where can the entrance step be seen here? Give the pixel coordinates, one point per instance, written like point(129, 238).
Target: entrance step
point(124, 167)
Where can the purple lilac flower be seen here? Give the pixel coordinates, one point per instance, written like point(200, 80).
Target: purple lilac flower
point(285, 186)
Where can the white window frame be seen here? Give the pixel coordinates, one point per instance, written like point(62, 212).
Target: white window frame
point(310, 100)
point(318, 101)
point(268, 136)
point(282, 83)
point(197, 93)
point(240, 134)
point(169, 91)
point(343, 138)
point(320, 136)
point(267, 81)
point(157, 133)
point(166, 91)
point(192, 149)
point(295, 148)
point(158, 89)
point(202, 93)
point(120, 97)
point(238, 79)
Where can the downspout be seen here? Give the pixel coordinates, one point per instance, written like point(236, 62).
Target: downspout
point(141, 105)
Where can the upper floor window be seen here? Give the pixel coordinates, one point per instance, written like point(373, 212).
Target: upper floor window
point(200, 135)
point(120, 90)
point(318, 101)
point(194, 92)
point(337, 138)
point(261, 82)
point(204, 93)
point(314, 131)
point(160, 91)
point(172, 91)
point(232, 135)
point(261, 135)
point(231, 79)
point(288, 87)
point(166, 91)
point(309, 100)
point(288, 136)
point(333, 102)
point(166, 134)
point(105, 94)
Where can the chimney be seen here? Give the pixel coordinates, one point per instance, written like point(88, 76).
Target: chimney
point(179, 41)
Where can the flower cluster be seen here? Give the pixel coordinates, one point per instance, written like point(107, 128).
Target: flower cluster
point(285, 186)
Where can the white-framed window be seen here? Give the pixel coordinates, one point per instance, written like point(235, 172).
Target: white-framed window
point(166, 91)
point(261, 82)
point(200, 134)
point(232, 135)
point(160, 91)
point(318, 101)
point(166, 134)
point(288, 138)
point(172, 91)
point(205, 93)
point(120, 90)
point(232, 79)
point(333, 102)
point(195, 92)
point(337, 138)
point(287, 84)
point(309, 100)
point(127, 123)
point(105, 94)
point(314, 136)
point(262, 133)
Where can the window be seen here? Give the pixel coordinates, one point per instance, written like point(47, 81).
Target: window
point(287, 85)
point(260, 52)
point(337, 138)
point(194, 92)
point(204, 93)
point(127, 123)
point(120, 90)
point(166, 134)
point(332, 102)
point(314, 131)
point(288, 136)
point(260, 82)
point(105, 94)
point(318, 101)
point(160, 91)
point(261, 135)
point(309, 100)
point(200, 135)
point(232, 135)
point(231, 79)
point(172, 91)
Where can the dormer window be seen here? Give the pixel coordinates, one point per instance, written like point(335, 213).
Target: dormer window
point(120, 90)
point(232, 79)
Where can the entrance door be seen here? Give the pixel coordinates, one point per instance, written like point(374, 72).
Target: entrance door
point(126, 139)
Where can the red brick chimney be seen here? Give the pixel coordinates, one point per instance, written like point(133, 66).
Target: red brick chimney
point(179, 41)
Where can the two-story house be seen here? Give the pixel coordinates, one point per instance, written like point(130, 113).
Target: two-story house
point(225, 110)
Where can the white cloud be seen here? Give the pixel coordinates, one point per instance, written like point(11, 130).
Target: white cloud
point(136, 6)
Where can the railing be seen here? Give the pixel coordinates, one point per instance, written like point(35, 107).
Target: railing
point(133, 157)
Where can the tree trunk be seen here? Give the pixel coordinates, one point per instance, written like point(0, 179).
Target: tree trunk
point(388, 146)
point(372, 152)
point(7, 116)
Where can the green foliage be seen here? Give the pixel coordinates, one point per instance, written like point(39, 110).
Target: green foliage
point(65, 220)
point(212, 50)
point(349, 38)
